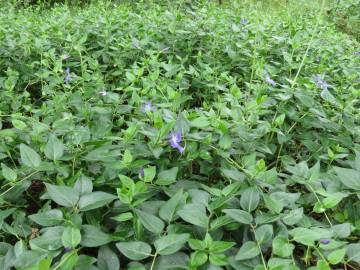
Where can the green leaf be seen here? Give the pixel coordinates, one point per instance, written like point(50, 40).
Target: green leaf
point(199, 197)
point(264, 233)
point(272, 204)
point(63, 195)
point(279, 120)
point(123, 217)
point(220, 222)
point(49, 218)
point(322, 265)
point(54, 149)
point(327, 96)
point(8, 173)
point(282, 247)
point(353, 252)
point(294, 216)
point(85, 262)
point(219, 202)
point(131, 77)
point(92, 236)
point(349, 177)
point(198, 258)
point(220, 246)
point(171, 243)
point(218, 259)
point(250, 199)
point(231, 189)
point(149, 174)
point(44, 264)
point(71, 237)
point(135, 250)
point(29, 157)
point(174, 261)
point(49, 240)
point(95, 200)
point(307, 236)
point(127, 157)
point(336, 256)
point(197, 244)
point(225, 142)
point(182, 124)
point(233, 174)
point(150, 222)
point(18, 124)
point(341, 230)
point(107, 259)
point(200, 122)
point(194, 214)
point(69, 260)
point(333, 200)
point(103, 153)
point(239, 215)
point(168, 209)
point(167, 177)
point(281, 264)
point(127, 182)
point(84, 185)
point(247, 251)
point(25, 259)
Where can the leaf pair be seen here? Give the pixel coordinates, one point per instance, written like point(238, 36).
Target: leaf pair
point(70, 197)
point(54, 150)
point(165, 245)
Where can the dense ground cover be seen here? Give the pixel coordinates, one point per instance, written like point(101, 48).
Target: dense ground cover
point(178, 137)
point(346, 15)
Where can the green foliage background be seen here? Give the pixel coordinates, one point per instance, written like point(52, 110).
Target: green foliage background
point(270, 175)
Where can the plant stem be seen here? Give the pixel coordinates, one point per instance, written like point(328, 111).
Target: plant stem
point(309, 45)
point(318, 199)
point(16, 183)
point(258, 244)
point(321, 255)
point(307, 255)
point(153, 261)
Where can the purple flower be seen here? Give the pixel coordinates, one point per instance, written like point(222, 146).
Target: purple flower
point(357, 53)
point(147, 107)
point(320, 82)
point(165, 49)
point(174, 140)
point(67, 249)
point(68, 75)
point(141, 172)
point(136, 44)
point(244, 21)
point(269, 80)
point(65, 56)
point(325, 241)
point(103, 93)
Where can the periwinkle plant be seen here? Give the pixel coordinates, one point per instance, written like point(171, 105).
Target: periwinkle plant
point(174, 140)
point(68, 76)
